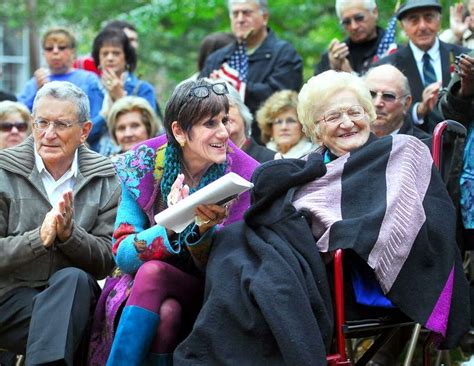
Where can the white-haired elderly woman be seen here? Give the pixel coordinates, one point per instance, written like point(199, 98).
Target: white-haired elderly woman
point(239, 127)
point(14, 123)
point(384, 199)
point(132, 120)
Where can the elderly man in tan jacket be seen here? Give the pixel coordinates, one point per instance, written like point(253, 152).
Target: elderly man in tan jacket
point(58, 203)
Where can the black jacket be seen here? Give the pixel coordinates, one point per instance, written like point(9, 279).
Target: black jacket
point(364, 52)
point(274, 66)
point(267, 300)
point(258, 152)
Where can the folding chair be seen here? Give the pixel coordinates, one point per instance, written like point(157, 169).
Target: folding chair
point(384, 327)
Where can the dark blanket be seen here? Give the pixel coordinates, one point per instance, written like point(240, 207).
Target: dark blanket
point(387, 203)
point(267, 300)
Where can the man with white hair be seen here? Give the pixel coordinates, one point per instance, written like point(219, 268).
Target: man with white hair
point(258, 59)
point(58, 202)
point(357, 51)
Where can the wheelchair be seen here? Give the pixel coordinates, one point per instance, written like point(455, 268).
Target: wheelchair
point(384, 324)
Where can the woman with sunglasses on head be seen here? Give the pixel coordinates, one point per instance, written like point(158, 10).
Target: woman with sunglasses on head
point(280, 128)
point(14, 123)
point(117, 61)
point(166, 267)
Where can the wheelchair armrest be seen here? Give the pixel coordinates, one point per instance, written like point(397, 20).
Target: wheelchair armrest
point(448, 126)
point(339, 301)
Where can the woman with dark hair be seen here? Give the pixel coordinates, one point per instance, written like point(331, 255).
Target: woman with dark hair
point(117, 59)
point(163, 269)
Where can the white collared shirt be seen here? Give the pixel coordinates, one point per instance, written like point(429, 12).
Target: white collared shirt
point(56, 188)
point(435, 61)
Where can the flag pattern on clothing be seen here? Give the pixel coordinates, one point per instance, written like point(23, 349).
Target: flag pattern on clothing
point(235, 70)
point(387, 44)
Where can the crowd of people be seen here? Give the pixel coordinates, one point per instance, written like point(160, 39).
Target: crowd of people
point(343, 160)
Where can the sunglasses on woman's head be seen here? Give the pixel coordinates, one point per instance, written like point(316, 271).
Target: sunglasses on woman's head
point(203, 91)
point(8, 126)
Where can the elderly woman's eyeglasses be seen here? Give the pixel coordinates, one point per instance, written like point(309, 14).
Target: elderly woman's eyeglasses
point(387, 97)
point(8, 126)
point(59, 126)
point(355, 113)
point(203, 91)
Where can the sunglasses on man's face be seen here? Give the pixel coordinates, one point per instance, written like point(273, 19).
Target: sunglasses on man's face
point(387, 97)
point(357, 18)
point(8, 126)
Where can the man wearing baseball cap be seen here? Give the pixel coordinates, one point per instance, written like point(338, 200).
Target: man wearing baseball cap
point(426, 61)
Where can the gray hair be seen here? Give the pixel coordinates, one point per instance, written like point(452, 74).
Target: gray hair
point(65, 91)
point(235, 100)
point(343, 4)
point(262, 4)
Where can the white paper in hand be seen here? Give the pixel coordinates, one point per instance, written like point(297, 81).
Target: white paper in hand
point(220, 191)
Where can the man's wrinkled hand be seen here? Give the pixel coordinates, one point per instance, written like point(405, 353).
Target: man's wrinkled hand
point(428, 99)
point(48, 229)
point(64, 217)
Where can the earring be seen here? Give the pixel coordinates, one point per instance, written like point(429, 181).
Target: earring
point(182, 143)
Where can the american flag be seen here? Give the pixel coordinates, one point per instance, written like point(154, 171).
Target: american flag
point(240, 61)
point(387, 44)
point(235, 70)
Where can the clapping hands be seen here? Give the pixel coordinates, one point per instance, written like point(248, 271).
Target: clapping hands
point(57, 223)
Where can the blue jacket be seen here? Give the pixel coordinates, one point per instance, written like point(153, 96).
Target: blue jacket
point(133, 86)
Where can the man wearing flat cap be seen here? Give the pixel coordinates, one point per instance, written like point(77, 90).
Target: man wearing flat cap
point(426, 61)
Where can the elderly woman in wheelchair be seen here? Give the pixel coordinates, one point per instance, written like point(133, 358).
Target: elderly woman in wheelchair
point(267, 293)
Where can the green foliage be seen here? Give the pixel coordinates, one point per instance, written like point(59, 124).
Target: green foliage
point(171, 30)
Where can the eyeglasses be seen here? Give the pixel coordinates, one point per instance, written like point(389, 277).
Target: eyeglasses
point(357, 18)
point(415, 18)
point(288, 121)
point(355, 113)
point(51, 48)
point(59, 126)
point(8, 126)
point(203, 91)
point(387, 97)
